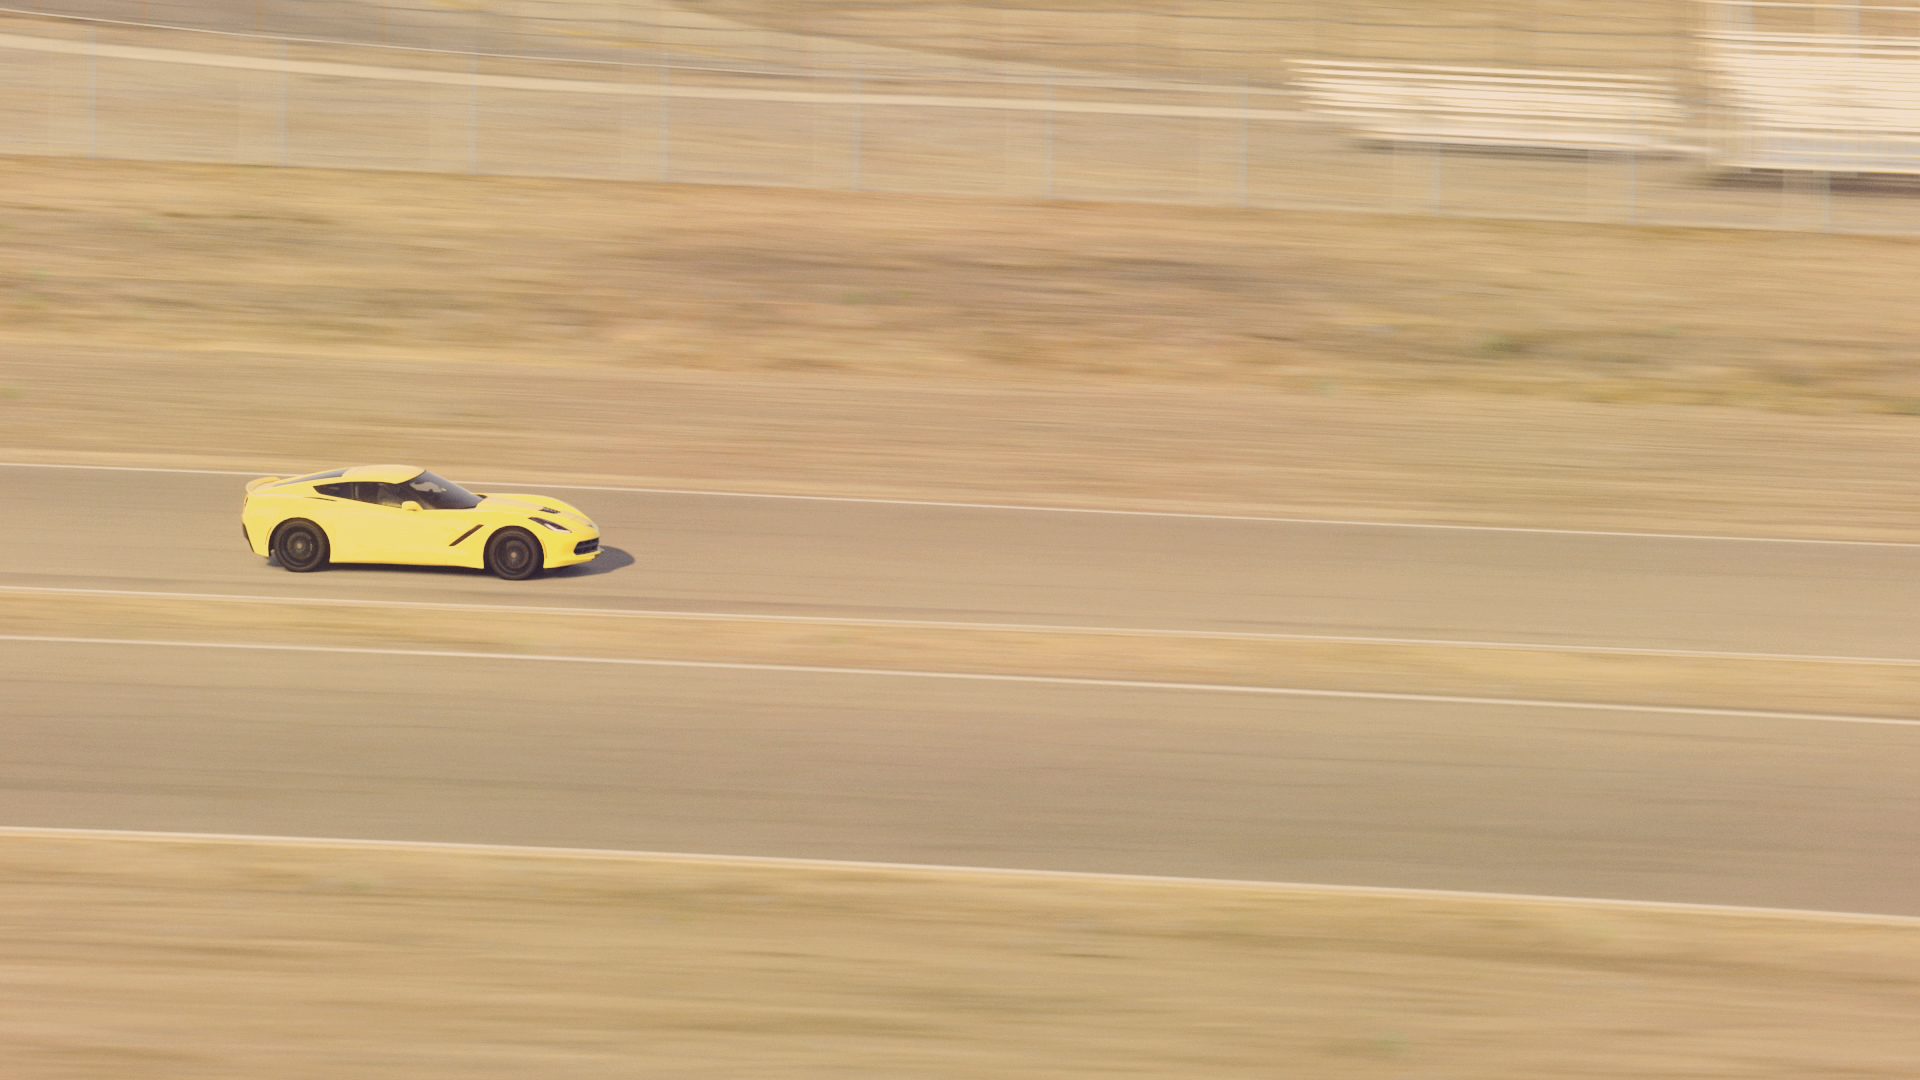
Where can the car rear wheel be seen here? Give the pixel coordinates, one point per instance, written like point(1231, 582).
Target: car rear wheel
point(300, 546)
point(514, 554)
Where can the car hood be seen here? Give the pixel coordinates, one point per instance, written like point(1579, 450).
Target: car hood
point(542, 506)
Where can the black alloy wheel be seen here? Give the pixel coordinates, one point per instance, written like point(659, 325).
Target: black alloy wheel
point(514, 554)
point(300, 546)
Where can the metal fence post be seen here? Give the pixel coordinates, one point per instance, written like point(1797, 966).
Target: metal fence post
point(623, 124)
point(51, 72)
point(1009, 141)
point(240, 101)
point(286, 78)
point(473, 112)
point(666, 122)
point(816, 116)
point(1046, 139)
point(1246, 136)
point(859, 128)
point(93, 91)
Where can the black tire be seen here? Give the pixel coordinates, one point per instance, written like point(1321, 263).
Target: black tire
point(514, 554)
point(300, 546)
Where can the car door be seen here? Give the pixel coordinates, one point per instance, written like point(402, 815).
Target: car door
point(406, 530)
point(367, 522)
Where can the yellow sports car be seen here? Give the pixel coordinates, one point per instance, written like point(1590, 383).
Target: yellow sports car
point(399, 514)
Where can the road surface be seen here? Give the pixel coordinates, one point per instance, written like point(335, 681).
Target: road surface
point(1736, 810)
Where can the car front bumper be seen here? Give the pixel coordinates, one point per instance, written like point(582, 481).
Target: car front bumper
point(571, 549)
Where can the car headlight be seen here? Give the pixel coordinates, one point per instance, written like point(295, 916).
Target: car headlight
point(554, 525)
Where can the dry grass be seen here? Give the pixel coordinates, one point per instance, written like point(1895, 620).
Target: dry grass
point(207, 261)
point(1268, 362)
point(204, 960)
point(812, 342)
point(1192, 38)
point(1532, 673)
point(1222, 38)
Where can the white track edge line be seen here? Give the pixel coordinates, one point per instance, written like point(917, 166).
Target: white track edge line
point(950, 624)
point(1089, 876)
point(927, 75)
point(976, 676)
point(623, 88)
point(1045, 509)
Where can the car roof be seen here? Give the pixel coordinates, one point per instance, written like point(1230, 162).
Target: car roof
point(383, 474)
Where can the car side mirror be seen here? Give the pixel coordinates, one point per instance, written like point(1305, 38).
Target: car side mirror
point(409, 505)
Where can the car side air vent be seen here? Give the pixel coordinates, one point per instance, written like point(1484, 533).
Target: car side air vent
point(549, 509)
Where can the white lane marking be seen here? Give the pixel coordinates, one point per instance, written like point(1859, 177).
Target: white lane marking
point(1045, 509)
point(948, 624)
point(997, 74)
point(131, 468)
point(975, 676)
point(1386, 892)
point(350, 43)
point(375, 72)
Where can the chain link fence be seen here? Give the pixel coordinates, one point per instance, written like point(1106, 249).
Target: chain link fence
point(856, 120)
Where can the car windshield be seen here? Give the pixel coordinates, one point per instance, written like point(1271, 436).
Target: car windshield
point(438, 494)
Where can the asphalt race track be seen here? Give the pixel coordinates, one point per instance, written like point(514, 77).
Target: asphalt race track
point(173, 532)
point(1737, 810)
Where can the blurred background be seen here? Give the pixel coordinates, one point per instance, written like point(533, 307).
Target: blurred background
point(1743, 113)
point(1178, 538)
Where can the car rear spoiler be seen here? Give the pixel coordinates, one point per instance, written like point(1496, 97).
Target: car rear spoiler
point(261, 482)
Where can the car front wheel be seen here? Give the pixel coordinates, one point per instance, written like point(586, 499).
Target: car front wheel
point(514, 554)
point(300, 546)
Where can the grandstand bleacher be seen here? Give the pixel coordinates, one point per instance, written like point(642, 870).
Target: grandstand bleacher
point(1497, 108)
point(1825, 103)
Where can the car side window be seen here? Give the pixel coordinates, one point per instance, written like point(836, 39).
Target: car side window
point(392, 494)
point(378, 494)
